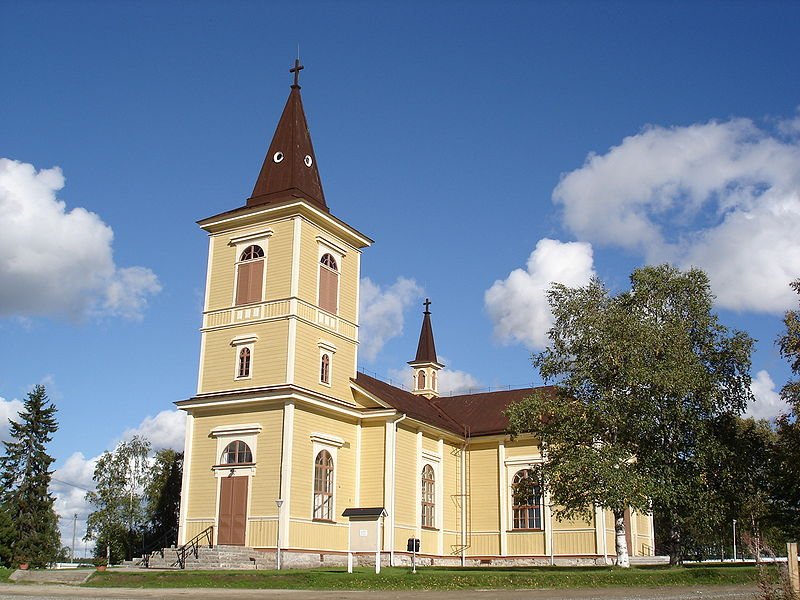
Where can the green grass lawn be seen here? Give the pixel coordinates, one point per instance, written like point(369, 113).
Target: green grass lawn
point(4, 574)
point(433, 578)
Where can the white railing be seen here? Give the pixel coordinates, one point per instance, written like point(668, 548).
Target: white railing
point(276, 309)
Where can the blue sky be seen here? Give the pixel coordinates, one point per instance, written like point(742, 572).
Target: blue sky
point(458, 135)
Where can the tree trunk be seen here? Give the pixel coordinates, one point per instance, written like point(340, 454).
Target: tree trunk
point(621, 544)
point(675, 555)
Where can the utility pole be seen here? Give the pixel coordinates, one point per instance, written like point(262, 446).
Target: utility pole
point(72, 548)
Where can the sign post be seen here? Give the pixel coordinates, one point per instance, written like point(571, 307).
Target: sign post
point(413, 547)
point(794, 571)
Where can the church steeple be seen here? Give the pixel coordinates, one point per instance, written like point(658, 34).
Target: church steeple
point(426, 366)
point(290, 167)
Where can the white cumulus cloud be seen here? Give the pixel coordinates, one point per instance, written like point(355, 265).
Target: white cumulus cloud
point(9, 409)
point(165, 430)
point(453, 381)
point(722, 196)
point(55, 261)
point(768, 402)
point(381, 312)
point(518, 304)
point(69, 486)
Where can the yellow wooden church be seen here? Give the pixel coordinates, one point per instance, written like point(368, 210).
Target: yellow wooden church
point(289, 446)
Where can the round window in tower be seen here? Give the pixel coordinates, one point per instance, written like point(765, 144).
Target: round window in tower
point(308, 160)
point(278, 156)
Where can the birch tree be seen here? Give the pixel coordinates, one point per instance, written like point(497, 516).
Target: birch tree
point(641, 379)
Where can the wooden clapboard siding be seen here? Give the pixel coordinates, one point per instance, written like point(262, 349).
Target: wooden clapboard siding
point(372, 453)
point(268, 360)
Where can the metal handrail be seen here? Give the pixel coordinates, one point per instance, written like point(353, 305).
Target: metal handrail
point(157, 546)
point(193, 546)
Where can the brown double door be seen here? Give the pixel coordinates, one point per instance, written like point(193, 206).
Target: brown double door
point(232, 511)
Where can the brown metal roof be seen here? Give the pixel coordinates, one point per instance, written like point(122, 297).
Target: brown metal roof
point(426, 349)
point(480, 414)
point(290, 167)
point(416, 407)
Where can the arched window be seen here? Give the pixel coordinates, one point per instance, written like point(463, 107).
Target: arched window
point(237, 453)
point(527, 496)
point(421, 380)
point(433, 381)
point(244, 363)
point(250, 275)
point(323, 486)
point(325, 369)
point(428, 497)
point(328, 283)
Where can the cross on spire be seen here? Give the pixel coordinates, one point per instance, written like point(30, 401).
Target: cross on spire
point(296, 70)
point(427, 304)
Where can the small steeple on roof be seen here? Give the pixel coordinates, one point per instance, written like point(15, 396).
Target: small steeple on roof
point(426, 349)
point(290, 167)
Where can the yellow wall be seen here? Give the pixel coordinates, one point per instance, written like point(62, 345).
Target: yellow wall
point(526, 543)
point(309, 267)
point(268, 363)
point(372, 452)
point(306, 422)
point(307, 362)
point(407, 480)
point(278, 263)
point(264, 484)
point(485, 501)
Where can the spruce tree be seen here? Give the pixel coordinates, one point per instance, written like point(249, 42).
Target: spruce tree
point(31, 523)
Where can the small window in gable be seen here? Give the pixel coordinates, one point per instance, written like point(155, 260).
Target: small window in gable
point(325, 369)
point(250, 275)
point(244, 363)
point(237, 453)
point(328, 283)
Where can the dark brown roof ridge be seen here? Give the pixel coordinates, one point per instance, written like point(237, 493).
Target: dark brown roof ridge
point(465, 414)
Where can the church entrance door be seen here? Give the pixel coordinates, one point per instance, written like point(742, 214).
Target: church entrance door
point(232, 511)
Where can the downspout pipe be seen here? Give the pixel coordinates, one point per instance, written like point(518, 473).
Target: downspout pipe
point(393, 499)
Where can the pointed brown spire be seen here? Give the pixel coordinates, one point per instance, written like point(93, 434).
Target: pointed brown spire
point(290, 167)
point(426, 349)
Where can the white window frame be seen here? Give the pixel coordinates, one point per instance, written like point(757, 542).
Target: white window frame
point(331, 443)
point(225, 434)
point(435, 462)
point(326, 347)
point(514, 465)
point(326, 247)
point(240, 243)
point(239, 343)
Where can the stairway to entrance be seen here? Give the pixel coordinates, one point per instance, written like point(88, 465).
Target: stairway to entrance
point(218, 557)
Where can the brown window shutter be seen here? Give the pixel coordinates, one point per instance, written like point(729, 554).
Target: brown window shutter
point(250, 282)
point(243, 284)
point(328, 282)
point(256, 280)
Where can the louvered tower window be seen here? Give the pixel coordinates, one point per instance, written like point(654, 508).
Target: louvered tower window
point(250, 275)
point(328, 283)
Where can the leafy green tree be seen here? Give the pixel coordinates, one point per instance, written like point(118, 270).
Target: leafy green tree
point(28, 520)
point(164, 495)
point(642, 378)
point(120, 514)
point(787, 465)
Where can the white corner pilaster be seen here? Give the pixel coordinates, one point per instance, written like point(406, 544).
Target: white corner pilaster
point(284, 514)
point(187, 463)
point(502, 486)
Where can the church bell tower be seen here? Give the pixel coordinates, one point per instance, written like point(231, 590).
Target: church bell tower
point(281, 307)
